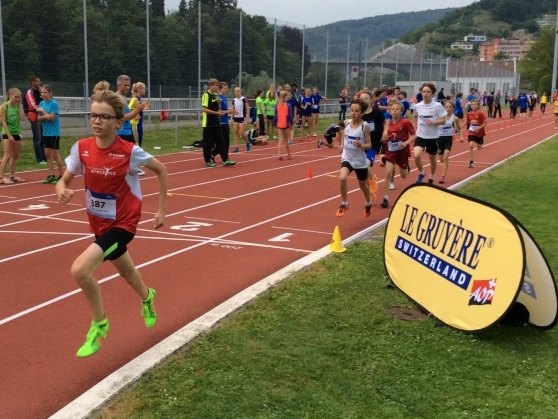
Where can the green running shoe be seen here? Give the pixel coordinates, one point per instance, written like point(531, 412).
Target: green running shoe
point(210, 164)
point(97, 331)
point(229, 163)
point(148, 309)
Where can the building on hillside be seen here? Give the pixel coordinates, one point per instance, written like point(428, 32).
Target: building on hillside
point(487, 51)
point(474, 38)
point(468, 46)
point(516, 46)
point(547, 21)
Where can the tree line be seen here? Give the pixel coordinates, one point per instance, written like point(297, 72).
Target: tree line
point(47, 39)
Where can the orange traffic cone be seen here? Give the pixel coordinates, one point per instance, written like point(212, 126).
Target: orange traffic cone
point(309, 172)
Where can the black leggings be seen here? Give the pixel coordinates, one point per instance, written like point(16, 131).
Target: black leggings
point(343, 111)
point(261, 121)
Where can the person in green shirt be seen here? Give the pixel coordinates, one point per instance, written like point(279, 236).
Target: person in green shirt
point(12, 114)
point(269, 105)
point(260, 111)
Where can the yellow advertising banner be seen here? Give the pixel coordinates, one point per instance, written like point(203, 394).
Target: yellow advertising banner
point(466, 261)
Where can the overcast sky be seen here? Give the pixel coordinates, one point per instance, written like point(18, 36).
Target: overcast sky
point(321, 12)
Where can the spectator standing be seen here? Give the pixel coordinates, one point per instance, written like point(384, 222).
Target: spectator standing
point(343, 97)
point(49, 114)
point(211, 124)
point(260, 111)
point(32, 100)
point(497, 106)
point(12, 114)
point(138, 90)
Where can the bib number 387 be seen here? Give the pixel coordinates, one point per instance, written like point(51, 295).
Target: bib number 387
point(101, 205)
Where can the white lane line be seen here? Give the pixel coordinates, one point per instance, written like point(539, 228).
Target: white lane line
point(298, 229)
point(210, 219)
point(45, 232)
point(56, 202)
point(45, 248)
point(6, 196)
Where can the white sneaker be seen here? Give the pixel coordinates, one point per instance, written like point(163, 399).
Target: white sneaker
point(141, 172)
point(391, 186)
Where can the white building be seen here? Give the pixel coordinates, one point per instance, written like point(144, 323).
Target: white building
point(474, 38)
point(462, 45)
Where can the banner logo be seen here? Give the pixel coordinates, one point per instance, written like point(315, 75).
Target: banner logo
point(482, 292)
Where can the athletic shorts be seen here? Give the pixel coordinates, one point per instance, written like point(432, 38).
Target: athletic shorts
point(383, 149)
point(113, 242)
point(478, 140)
point(16, 137)
point(361, 174)
point(307, 112)
point(239, 120)
point(51, 142)
point(532, 108)
point(429, 144)
point(444, 143)
point(270, 117)
point(315, 111)
point(522, 110)
point(459, 115)
point(329, 138)
point(397, 158)
point(371, 156)
point(130, 138)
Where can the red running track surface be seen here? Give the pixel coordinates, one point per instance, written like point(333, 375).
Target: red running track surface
point(216, 242)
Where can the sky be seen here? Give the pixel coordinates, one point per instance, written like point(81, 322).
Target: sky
point(321, 12)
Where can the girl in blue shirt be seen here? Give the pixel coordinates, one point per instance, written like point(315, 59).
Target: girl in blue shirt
point(49, 113)
point(306, 104)
point(317, 99)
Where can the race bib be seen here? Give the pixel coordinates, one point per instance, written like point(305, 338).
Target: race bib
point(422, 121)
point(350, 142)
point(395, 145)
point(473, 128)
point(372, 126)
point(101, 205)
point(315, 106)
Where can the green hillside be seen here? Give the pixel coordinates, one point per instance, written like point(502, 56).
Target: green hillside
point(377, 29)
point(493, 18)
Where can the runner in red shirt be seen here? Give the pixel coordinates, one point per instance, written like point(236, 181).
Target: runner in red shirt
point(476, 122)
point(399, 133)
point(110, 167)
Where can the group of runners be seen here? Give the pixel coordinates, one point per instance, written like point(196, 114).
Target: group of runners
point(379, 127)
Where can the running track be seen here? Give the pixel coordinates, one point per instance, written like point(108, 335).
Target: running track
point(216, 242)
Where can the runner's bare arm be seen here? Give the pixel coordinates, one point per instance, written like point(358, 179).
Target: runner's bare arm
point(161, 171)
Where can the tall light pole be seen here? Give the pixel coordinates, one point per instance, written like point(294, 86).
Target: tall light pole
point(555, 62)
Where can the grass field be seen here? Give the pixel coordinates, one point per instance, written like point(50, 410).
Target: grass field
point(321, 344)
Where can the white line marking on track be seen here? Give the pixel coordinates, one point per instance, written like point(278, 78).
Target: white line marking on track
point(210, 219)
point(45, 248)
point(298, 229)
point(56, 202)
point(5, 196)
point(45, 232)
